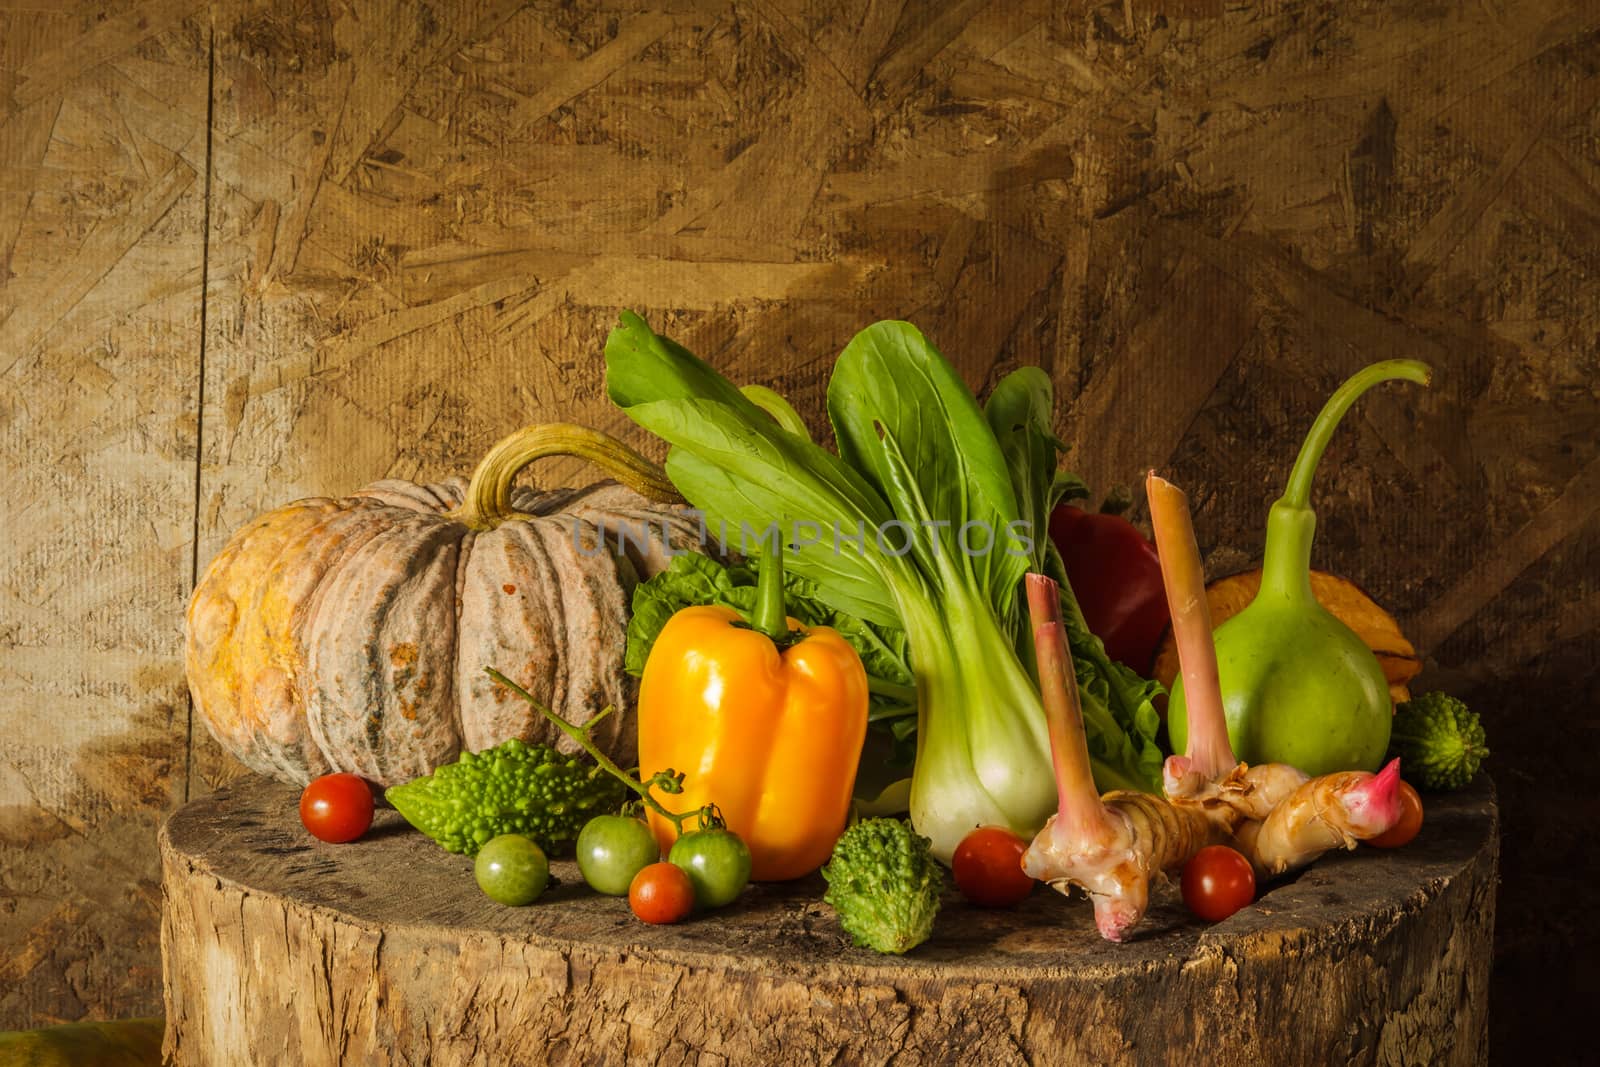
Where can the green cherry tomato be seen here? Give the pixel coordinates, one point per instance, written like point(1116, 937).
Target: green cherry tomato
point(512, 870)
point(717, 863)
point(612, 849)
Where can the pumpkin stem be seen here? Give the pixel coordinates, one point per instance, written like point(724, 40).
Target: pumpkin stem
point(488, 500)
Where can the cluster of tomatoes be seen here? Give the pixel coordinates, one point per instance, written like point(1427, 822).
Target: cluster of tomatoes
point(617, 855)
point(704, 868)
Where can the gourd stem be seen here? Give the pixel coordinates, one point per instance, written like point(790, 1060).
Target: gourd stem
point(1286, 565)
point(1298, 492)
point(488, 498)
point(1291, 524)
point(770, 615)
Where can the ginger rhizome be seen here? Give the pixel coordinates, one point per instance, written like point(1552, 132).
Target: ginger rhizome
point(1207, 774)
point(1109, 847)
point(1329, 811)
point(1113, 847)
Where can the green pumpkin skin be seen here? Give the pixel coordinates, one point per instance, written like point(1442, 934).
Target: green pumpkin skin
point(1333, 714)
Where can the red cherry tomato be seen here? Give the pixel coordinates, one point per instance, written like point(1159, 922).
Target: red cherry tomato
point(661, 893)
point(1410, 822)
point(1218, 882)
point(337, 807)
point(988, 867)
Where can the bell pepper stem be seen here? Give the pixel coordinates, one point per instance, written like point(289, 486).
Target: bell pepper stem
point(1291, 524)
point(667, 781)
point(770, 615)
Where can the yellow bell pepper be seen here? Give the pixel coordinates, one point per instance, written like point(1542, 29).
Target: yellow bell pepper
point(768, 730)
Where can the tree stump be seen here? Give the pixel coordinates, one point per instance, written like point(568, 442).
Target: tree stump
point(281, 949)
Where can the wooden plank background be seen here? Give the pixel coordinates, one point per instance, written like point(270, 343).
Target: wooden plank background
point(102, 208)
point(253, 250)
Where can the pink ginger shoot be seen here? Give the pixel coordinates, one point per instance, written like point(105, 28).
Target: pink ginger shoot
point(1207, 773)
point(1209, 755)
point(1110, 847)
point(1332, 811)
point(1079, 812)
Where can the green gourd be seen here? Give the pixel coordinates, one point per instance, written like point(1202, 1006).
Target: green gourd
point(1299, 686)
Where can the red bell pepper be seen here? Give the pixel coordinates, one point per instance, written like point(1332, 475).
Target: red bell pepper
point(1116, 577)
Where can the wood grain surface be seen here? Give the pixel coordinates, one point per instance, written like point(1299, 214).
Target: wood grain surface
point(254, 250)
point(285, 950)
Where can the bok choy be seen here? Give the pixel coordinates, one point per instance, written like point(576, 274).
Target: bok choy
point(925, 521)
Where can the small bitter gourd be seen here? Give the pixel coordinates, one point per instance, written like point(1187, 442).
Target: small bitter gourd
point(512, 788)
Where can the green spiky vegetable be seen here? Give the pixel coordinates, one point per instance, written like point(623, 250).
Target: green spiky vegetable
point(1440, 743)
point(885, 885)
point(513, 788)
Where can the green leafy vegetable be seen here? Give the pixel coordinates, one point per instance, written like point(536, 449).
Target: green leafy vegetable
point(1019, 412)
point(884, 884)
point(1119, 712)
point(923, 523)
point(1440, 741)
point(782, 412)
point(512, 788)
point(731, 452)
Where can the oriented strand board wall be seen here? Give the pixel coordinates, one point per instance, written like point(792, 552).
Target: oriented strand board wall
point(102, 202)
point(1197, 214)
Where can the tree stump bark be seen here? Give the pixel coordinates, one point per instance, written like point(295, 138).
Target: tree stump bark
point(281, 949)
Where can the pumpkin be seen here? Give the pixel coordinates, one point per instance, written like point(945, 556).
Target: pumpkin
point(352, 634)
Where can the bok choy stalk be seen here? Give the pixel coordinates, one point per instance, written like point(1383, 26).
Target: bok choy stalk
point(925, 521)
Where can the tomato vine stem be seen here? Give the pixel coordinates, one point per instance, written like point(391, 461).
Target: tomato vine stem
point(668, 781)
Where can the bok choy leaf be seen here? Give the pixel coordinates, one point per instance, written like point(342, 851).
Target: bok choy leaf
point(924, 523)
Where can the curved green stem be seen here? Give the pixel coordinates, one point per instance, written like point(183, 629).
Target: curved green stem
point(1298, 492)
point(667, 781)
point(782, 412)
point(770, 615)
point(488, 498)
point(1291, 524)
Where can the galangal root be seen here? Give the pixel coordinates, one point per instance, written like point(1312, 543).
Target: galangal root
point(1109, 847)
point(1331, 811)
point(1112, 847)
